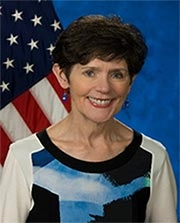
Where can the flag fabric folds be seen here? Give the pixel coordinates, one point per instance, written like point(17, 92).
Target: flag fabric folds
point(30, 93)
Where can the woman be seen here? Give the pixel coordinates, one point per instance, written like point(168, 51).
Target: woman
point(90, 167)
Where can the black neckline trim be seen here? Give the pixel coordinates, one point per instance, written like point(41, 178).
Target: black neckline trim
point(87, 166)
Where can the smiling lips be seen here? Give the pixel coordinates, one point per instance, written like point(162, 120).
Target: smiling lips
point(100, 102)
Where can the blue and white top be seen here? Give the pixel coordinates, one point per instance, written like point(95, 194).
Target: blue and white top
point(41, 183)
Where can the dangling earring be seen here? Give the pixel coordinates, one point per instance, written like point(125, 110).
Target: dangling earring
point(64, 96)
point(126, 104)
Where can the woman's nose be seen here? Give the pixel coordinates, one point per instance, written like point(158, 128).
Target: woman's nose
point(103, 85)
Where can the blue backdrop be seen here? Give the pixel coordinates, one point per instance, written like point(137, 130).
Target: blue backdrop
point(154, 102)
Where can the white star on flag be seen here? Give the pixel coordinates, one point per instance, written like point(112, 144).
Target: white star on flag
point(51, 48)
point(4, 86)
point(8, 63)
point(33, 44)
point(36, 20)
point(12, 39)
point(28, 68)
point(56, 25)
point(17, 15)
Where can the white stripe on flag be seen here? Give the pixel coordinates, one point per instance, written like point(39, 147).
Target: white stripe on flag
point(13, 124)
point(48, 100)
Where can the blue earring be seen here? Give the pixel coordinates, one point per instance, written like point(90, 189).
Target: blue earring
point(64, 96)
point(126, 104)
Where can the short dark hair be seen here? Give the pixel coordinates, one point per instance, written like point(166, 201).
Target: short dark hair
point(102, 37)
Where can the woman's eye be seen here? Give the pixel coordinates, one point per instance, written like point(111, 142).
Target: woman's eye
point(88, 73)
point(118, 75)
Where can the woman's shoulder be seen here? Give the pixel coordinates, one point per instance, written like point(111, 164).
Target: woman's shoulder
point(157, 149)
point(152, 145)
point(25, 145)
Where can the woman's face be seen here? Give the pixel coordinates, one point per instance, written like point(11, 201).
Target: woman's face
point(98, 89)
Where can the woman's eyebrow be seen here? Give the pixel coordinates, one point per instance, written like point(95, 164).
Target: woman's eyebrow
point(90, 67)
point(118, 70)
point(110, 70)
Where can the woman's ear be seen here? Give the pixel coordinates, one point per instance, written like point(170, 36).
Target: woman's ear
point(131, 82)
point(60, 75)
point(132, 79)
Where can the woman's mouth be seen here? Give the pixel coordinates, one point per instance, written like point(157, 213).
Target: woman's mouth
point(100, 102)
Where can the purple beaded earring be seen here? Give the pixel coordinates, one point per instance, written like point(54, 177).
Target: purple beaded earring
point(64, 96)
point(126, 104)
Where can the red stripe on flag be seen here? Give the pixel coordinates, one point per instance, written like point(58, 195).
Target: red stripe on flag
point(5, 142)
point(30, 111)
point(59, 90)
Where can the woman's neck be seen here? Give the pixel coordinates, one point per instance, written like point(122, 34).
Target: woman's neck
point(84, 128)
point(90, 141)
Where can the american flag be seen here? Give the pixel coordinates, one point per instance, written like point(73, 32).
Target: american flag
point(30, 93)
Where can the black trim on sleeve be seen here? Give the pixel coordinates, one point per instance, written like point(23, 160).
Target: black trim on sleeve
point(46, 206)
